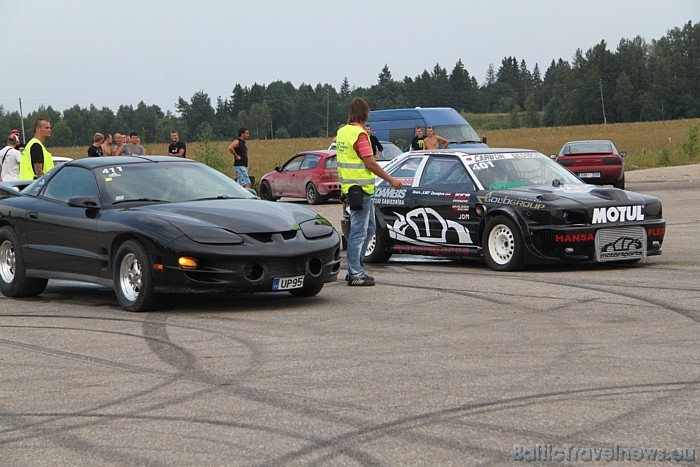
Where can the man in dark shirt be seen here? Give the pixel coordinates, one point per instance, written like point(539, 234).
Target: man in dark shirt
point(240, 157)
point(177, 148)
point(95, 149)
point(377, 147)
point(417, 141)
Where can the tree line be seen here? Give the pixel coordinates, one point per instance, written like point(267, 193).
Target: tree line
point(639, 81)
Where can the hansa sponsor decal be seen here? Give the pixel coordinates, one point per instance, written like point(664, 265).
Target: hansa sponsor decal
point(415, 228)
point(617, 214)
point(574, 238)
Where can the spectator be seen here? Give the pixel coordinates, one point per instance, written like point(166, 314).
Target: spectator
point(356, 170)
point(417, 141)
point(240, 155)
point(95, 149)
point(377, 147)
point(433, 141)
point(36, 160)
point(108, 146)
point(177, 148)
point(133, 147)
point(118, 143)
point(10, 158)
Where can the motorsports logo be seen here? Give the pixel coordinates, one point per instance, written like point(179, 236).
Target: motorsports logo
point(617, 214)
point(623, 247)
point(506, 201)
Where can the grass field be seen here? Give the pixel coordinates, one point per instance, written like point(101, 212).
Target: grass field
point(648, 144)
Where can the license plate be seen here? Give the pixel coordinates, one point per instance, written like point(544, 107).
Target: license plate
point(589, 175)
point(287, 283)
point(625, 243)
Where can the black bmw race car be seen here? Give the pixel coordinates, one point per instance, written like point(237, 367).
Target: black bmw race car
point(511, 207)
point(156, 224)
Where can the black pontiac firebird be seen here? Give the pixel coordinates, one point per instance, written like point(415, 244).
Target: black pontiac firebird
point(511, 207)
point(156, 224)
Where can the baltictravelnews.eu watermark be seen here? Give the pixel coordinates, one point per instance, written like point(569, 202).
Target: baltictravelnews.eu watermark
point(572, 453)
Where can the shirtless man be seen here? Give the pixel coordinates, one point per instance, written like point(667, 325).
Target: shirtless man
point(432, 141)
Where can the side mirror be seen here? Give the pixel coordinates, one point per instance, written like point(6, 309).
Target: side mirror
point(554, 157)
point(87, 202)
point(278, 169)
point(623, 153)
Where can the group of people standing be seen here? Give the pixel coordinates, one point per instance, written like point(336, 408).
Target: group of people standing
point(130, 145)
point(431, 141)
point(30, 163)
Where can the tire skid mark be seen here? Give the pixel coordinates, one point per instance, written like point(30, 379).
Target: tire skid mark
point(381, 430)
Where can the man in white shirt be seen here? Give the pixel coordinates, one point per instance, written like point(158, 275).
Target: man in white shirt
point(9, 158)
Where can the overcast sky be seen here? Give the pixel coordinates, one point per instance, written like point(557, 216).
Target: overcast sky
point(110, 53)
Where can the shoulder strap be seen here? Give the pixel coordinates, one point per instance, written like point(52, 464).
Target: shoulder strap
point(3, 157)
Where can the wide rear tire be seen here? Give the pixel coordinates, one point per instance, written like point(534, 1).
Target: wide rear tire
point(133, 277)
point(502, 245)
point(13, 279)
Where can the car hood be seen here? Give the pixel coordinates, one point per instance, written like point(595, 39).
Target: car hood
point(241, 216)
point(576, 195)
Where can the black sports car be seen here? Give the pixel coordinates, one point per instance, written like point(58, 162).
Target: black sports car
point(511, 207)
point(157, 224)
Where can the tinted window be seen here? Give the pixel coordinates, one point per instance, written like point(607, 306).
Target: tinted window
point(593, 147)
point(310, 161)
point(446, 173)
point(70, 182)
point(294, 164)
point(331, 163)
point(406, 170)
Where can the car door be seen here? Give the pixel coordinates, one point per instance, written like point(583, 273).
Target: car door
point(286, 178)
point(306, 173)
point(61, 237)
point(441, 203)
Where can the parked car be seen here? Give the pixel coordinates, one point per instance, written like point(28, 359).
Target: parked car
point(509, 207)
point(595, 161)
point(153, 225)
point(310, 174)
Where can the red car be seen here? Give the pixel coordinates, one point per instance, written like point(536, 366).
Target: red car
point(597, 162)
point(310, 174)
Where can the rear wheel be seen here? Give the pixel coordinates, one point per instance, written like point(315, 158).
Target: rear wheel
point(307, 291)
point(503, 245)
point(312, 195)
point(620, 183)
point(13, 279)
point(376, 250)
point(266, 191)
point(133, 277)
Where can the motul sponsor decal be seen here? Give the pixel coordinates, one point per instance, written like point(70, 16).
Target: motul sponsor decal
point(617, 214)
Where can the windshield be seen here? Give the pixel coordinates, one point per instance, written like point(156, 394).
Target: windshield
point(459, 134)
point(390, 151)
point(166, 182)
point(502, 171)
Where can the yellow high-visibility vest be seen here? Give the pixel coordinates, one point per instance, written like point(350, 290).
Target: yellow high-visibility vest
point(351, 169)
point(26, 169)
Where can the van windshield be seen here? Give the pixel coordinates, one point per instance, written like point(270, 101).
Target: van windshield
point(458, 134)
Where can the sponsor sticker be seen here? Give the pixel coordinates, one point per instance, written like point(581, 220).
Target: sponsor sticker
point(625, 243)
point(616, 214)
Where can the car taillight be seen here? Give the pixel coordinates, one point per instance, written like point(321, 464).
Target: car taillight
point(325, 176)
point(612, 160)
point(565, 162)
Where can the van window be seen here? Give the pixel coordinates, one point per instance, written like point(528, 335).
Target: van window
point(402, 136)
point(457, 133)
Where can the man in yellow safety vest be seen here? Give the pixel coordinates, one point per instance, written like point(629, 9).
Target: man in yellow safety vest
point(36, 160)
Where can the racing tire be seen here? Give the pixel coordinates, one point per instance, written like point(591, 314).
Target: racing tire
point(312, 195)
point(376, 250)
point(133, 277)
point(307, 291)
point(620, 183)
point(266, 191)
point(502, 245)
point(13, 279)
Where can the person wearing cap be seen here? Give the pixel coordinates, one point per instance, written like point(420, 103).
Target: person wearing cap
point(10, 158)
point(36, 160)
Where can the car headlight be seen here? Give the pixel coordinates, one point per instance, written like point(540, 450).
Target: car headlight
point(212, 235)
point(316, 228)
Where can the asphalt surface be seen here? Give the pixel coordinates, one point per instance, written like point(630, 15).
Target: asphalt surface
point(442, 363)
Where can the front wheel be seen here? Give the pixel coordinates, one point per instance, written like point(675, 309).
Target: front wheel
point(13, 279)
point(502, 245)
point(266, 191)
point(133, 277)
point(307, 291)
